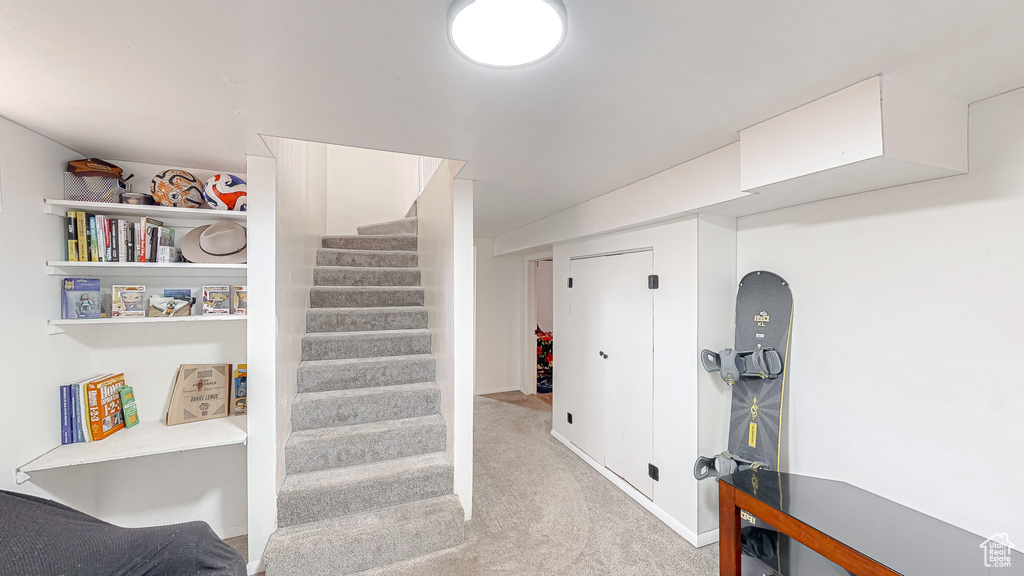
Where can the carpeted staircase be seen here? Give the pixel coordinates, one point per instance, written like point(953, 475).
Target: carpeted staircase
point(368, 482)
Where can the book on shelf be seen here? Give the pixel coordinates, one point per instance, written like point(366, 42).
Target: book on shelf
point(131, 413)
point(80, 298)
point(201, 392)
point(105, 416)
point(71, 235)
point(66, 434)
point(83, 233)
point(94, 245)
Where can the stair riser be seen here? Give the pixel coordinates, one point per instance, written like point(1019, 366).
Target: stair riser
point(340, 276)
point(308, 415)
point(396, 227)
point(330, 297)
point(364, 347)
point(332, 501)
point(327, 551)
point(390, 242)
point(310, 456)
point(354, 320)
point(324, 378)
point(325, 257)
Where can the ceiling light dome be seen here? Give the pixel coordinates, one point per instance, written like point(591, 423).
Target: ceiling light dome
point(506, 33)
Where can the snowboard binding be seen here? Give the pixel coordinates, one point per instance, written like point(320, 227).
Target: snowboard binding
point(723, 465)
point(762, 363)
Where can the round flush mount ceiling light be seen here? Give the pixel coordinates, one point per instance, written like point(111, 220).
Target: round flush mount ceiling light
point(506, 33)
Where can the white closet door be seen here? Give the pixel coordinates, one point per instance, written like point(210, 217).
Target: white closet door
point(627, 308)
point(583, 340)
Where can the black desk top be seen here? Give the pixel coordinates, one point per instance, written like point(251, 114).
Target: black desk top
point(904, 540)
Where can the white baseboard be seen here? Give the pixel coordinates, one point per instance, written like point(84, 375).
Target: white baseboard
point(697, 540)
point(254, 567)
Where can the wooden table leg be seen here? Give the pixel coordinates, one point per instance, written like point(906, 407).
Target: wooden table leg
point(728, 531)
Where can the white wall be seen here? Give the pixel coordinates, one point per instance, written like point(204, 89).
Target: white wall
point(287, 219)
point(445, 212)
point(499, 316)
point(368, 186)
point(907, 325)
point(542, 294)
point(262, 453)
point(36, 363)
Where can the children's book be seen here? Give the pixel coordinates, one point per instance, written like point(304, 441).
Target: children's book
point(238, 392)
point(216, 299)
point(80, 298)
point(239, 300)
point(128, 301)
point(165, 245)
point(105, 415)
point(131, 413)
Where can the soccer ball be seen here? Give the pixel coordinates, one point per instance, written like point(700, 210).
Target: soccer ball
point(225, 192)
point(177, 188)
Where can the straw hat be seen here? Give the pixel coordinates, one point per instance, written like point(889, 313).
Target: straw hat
point(223, 242)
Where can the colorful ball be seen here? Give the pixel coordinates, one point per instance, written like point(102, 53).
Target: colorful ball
point(225, 192)
point(177, 188)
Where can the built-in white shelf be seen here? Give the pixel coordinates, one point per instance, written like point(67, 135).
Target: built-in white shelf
point(144, 439)
point(170, 216)
point(59, 326)
point(61, 267)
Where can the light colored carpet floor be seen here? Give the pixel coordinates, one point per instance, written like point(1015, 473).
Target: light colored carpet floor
point(539, 510)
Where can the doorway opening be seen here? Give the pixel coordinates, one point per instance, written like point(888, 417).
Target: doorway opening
point(543, 293)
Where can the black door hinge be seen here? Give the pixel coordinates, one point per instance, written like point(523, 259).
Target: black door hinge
point(652, 281)
point(569, 283)
point(652, 471)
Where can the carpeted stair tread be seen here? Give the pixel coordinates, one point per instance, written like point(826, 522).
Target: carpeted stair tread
point(365, 276)
point(372, 242)
point(371, 258)
point(314, 410)
point(366, 319)
point(337, 345)
point(401, 226)
point(357, 373)
point(364, 296)
point(341, 446)
point(314, 496)
point(359, 542)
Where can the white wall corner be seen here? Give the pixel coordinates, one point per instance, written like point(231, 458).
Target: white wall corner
point(465, 345)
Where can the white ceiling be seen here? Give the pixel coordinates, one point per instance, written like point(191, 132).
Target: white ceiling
point(638, 86)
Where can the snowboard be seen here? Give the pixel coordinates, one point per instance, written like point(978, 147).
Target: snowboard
point(756, 370)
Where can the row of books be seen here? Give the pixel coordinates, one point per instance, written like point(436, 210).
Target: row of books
point(94, 408)
point(97, 238)
point(82, 298)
